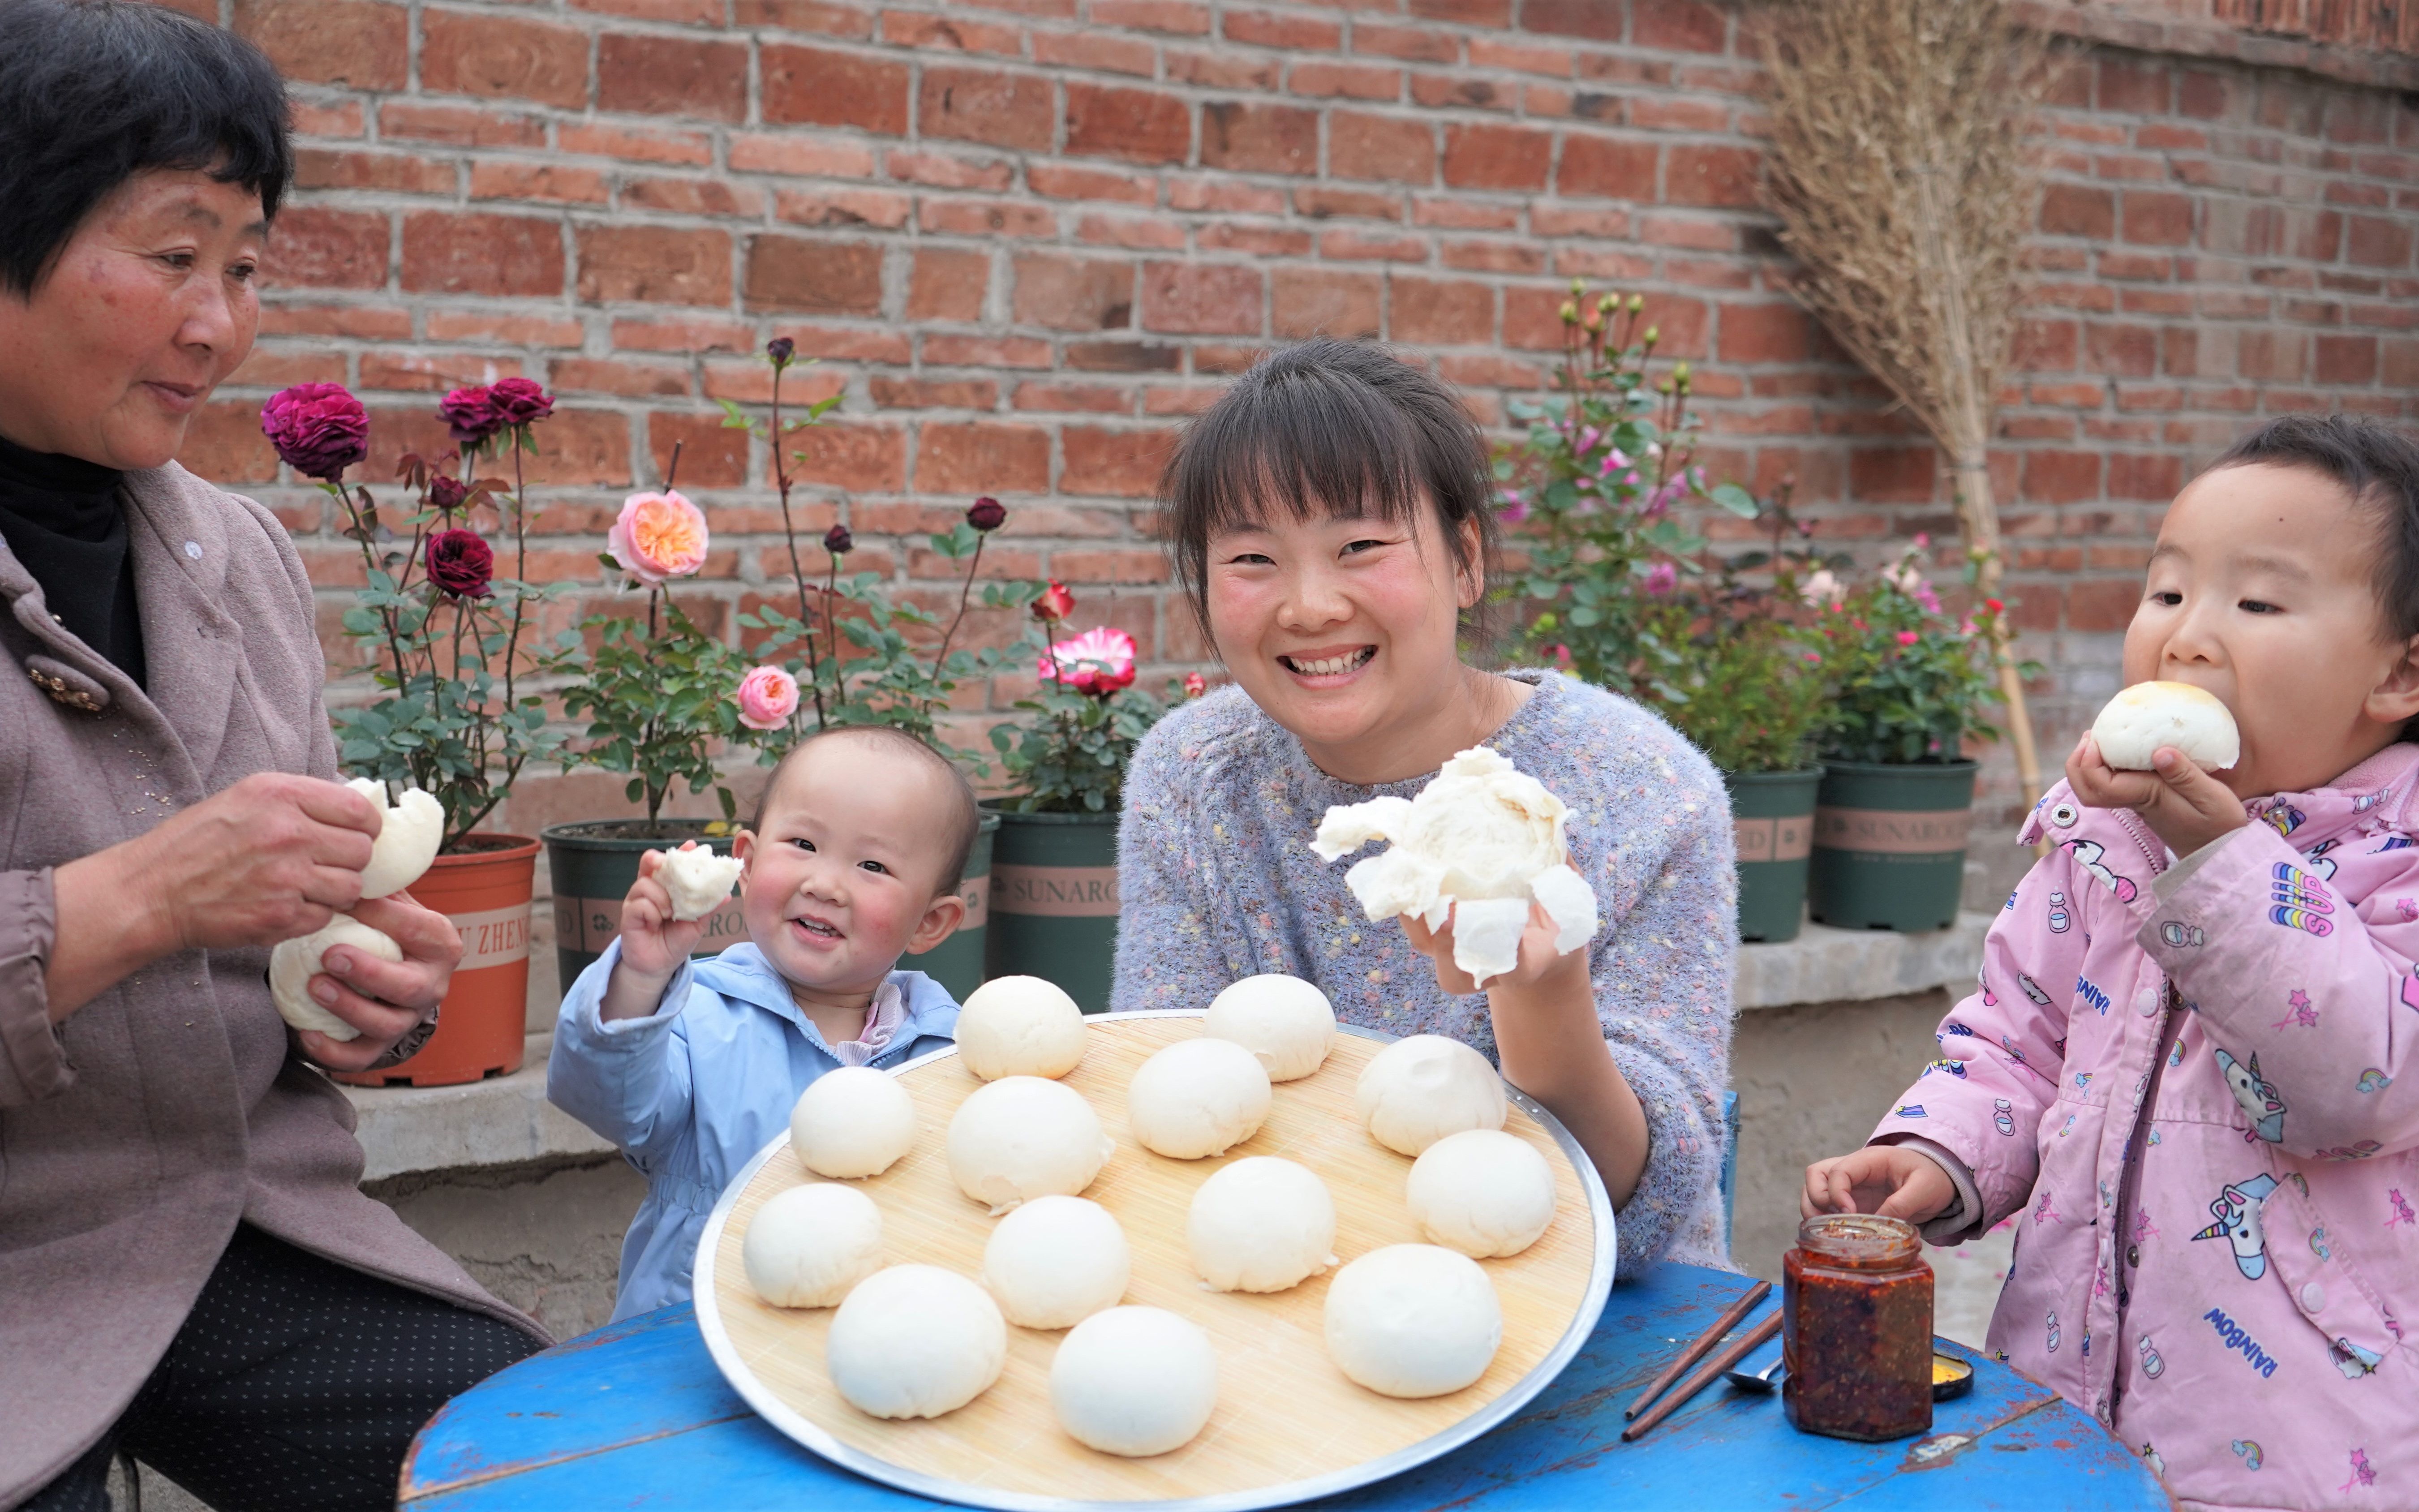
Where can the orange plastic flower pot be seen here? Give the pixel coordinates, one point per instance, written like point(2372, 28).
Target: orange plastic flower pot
point(480, 1030)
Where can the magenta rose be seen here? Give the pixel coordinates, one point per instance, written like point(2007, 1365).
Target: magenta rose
point(767, 697)
point(319, 429)
point(519, 401)
point(472, 414)
point(461, 563)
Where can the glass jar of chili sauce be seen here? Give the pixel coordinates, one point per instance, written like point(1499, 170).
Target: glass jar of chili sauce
point(1856, 1307)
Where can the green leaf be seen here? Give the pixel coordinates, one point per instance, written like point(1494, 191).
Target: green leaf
point(1736, 499)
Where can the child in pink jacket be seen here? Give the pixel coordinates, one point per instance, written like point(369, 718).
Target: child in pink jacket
point(2190, 1069)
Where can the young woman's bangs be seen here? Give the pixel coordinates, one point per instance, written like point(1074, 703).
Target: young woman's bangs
point(1305, 449)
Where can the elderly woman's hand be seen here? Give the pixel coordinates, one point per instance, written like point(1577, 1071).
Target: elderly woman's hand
point(385, 1000)
point(274, 857)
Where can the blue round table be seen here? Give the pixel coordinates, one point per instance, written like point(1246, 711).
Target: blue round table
point(636, 1415)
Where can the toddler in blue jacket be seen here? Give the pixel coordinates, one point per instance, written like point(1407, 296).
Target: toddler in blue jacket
point(854, 859)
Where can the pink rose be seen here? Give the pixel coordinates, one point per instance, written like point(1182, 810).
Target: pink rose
point(1908, 638)
point(1195, 685)
point(1101, 661)
point(319, 429)
point(658, 535)
point(1661, 578)
point(1053, 603)
point(767, 697)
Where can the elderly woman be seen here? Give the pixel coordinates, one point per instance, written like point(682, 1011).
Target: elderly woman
point(1331, 516)
point(187, 1271)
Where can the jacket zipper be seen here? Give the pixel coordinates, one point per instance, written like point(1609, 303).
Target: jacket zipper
point(2137, 1138)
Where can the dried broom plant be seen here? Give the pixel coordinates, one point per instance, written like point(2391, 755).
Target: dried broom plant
point(1906, 186)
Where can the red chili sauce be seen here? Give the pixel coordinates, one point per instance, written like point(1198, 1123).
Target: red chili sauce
point(1856, 1307)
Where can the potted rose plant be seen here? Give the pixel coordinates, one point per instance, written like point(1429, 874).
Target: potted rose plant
point(857, 653)
point(1055, 872)
point(659, 698)
point(1909, 685)
point(1619, 591)
point(443, 633)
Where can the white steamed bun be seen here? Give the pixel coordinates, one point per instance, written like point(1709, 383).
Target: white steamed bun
point(2137, 721)
point(697, 881)
point(915, 1341)
point(409, 831)
point(295, 961)
point(1283, 1020)
point(1020, 1027)
point(853, 1122)
point(808, 1245)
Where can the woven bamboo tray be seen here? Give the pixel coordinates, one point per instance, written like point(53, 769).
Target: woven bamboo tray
point(1289, 1426)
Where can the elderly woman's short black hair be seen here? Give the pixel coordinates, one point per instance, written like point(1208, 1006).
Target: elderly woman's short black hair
point(1326, 427)
point(93, 92)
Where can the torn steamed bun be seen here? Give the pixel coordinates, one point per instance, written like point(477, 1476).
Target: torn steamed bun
point(409, 831)
point(698, 880)
point(295, 961)
point(1480, 842)
point(2137, 721)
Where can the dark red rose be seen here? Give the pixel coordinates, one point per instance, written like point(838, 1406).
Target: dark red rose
point(461, 563)
point(837, 540)
point(986, 514)
point(472, 414)
point(445, 494)
point(520, 401)
point(319, 429)
point(1053, 602)
point(780, 349)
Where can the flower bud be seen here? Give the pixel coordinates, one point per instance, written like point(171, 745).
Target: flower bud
point(837, 541)
point(781, 350)
point(986, 514)
point(1578, 288)
point(1680, 376)
point(1637, 302)
point(1570, 312)
point(1654, 334)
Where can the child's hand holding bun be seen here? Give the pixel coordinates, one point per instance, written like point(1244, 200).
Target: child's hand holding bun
point(2153, 749)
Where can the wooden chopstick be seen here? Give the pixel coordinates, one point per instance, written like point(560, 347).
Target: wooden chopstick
point(1706, 1341)
point(1723, 1362)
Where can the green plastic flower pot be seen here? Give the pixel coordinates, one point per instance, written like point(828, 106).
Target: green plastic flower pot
point(1890, 844)
point(957, 962)
point(1054, 901)
point(593, 862)
point(1773, 815)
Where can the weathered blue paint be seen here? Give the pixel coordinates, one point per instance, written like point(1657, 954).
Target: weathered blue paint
point(636, 1416)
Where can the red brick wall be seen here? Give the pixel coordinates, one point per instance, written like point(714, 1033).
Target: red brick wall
point(1027, 237)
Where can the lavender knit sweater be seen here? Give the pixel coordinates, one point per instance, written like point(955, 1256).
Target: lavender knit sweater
point(1217, 881)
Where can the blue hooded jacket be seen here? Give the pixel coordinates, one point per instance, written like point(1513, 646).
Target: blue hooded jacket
point(691, 1092)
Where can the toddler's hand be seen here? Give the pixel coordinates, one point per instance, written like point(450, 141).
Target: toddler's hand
point(2185, 806)
point(653, 943)
point(1889, 1179)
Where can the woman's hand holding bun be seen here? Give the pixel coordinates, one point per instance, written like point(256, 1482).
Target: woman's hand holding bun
point(275, 855)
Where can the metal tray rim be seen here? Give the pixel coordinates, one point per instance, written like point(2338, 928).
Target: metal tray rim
point(1518, 1395)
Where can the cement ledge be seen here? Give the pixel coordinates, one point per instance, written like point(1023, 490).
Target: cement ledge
point(504, 1121)
point(1841, 966)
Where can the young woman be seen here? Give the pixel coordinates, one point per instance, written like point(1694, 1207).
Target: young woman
point(1329, 518)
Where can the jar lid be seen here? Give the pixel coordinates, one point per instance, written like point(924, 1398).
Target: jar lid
point(1861, 1239)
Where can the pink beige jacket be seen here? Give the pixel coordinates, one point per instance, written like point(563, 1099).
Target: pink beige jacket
point(2196, 1089)
point(135, 1135)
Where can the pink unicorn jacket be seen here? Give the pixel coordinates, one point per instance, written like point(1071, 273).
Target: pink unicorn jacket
point(2197, 1086)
